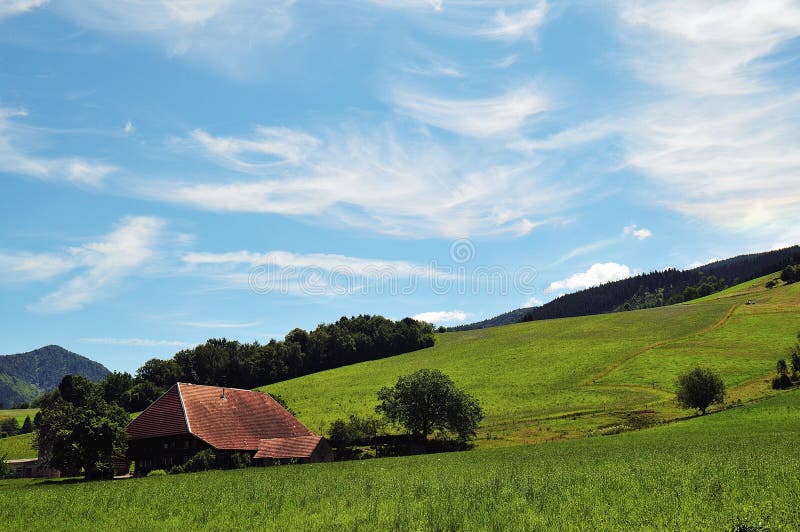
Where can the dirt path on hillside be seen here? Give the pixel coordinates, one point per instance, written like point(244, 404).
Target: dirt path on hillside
point(722, 321)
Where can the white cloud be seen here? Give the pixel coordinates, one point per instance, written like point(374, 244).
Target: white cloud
point(435, 5)
point(267, 147)
point(378, 182)
point(297, 266)
point(219, 324)
point(23, 266)
point(9, 8)
point(723, 142)
point(485, 117)
point(16, 159)
point(125, 251)
point(442, 316)
point(596, 275)
point(137, 342)
point(230, 35)
point(522, 23)
point(640, 233)
point(533, 302)
point(129, 128)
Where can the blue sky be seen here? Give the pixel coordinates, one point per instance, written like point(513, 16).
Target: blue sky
point(178, 170)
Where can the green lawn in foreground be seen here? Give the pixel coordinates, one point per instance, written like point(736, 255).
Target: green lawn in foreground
point(534, 378)
point(706, 473)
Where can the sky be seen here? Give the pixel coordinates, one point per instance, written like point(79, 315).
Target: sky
point(178, 170)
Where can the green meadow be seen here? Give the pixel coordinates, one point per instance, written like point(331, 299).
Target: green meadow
point(17, 447)
point(565, 378)
point(735, 467)
point(19, 413)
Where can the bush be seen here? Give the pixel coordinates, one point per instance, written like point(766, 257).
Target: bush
point(5, 469)
point(791, 274)
point(201, 461)
point(356, 429)
point(157, 473)
point(9, 425)
point(771, 283)
point(240, 461)
point(781, 382)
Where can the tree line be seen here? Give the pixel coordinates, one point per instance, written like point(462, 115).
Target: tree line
point(222, 362)
point(655, 288)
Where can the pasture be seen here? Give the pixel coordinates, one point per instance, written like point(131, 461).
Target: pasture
point(738, 466)
point(565, 378)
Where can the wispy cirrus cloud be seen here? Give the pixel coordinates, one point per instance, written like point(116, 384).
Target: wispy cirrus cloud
point(17, 157)
point(219, 324)
point(136, 342)
point(502, 114)
point(722, 143)
point(515, 24)
point(97, 267)
point(230, 35)
point(374, 180)
point(10, 8)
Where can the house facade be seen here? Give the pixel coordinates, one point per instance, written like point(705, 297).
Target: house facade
point(190, 417)
point(30, 468)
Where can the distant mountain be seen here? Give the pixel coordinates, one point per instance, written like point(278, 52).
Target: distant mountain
point(25, 376)
point(648, 289)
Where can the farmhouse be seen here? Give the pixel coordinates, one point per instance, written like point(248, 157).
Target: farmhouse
point(190, 417)
point(30, 468)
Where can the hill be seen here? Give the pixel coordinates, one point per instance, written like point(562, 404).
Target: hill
point(24, 376)
point(726, 471)
point(649, 289)
point(567, 377)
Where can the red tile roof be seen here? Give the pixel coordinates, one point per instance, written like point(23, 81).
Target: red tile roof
point(225, 418)
point(298, 447)
point(165, 417)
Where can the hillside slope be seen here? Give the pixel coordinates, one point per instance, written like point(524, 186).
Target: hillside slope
point(715, 472)
point(613, 295)
point(24, 376)
point(563, 378)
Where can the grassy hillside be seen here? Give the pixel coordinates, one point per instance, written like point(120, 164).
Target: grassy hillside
point(735, 467)
point(18, 447)
point(564, 378)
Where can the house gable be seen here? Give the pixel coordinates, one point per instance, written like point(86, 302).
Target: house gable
point(165, 417)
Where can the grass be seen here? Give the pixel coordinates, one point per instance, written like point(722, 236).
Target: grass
point(565, 378)
point(705, 473)
point(18, 447)
point(19, 413)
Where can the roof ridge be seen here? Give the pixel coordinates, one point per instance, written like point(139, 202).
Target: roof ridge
point(183, 407)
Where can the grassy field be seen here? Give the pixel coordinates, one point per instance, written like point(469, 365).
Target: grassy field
point(706, 473)
point(564, 378)
point(19, 414)
point(17, 447)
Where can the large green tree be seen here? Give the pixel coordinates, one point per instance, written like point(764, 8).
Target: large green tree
point(426, 401)
point(79, 430)
point(700, 388)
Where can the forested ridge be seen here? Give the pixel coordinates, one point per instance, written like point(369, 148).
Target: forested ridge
point(222, 362)
point(651, 289)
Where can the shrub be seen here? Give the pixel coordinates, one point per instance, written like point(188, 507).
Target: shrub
point(202, 461)
point(240, 461)
point(157, 473)
point(781, 382)
point(771, 283)
point(5, 469)
point(347, 433)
